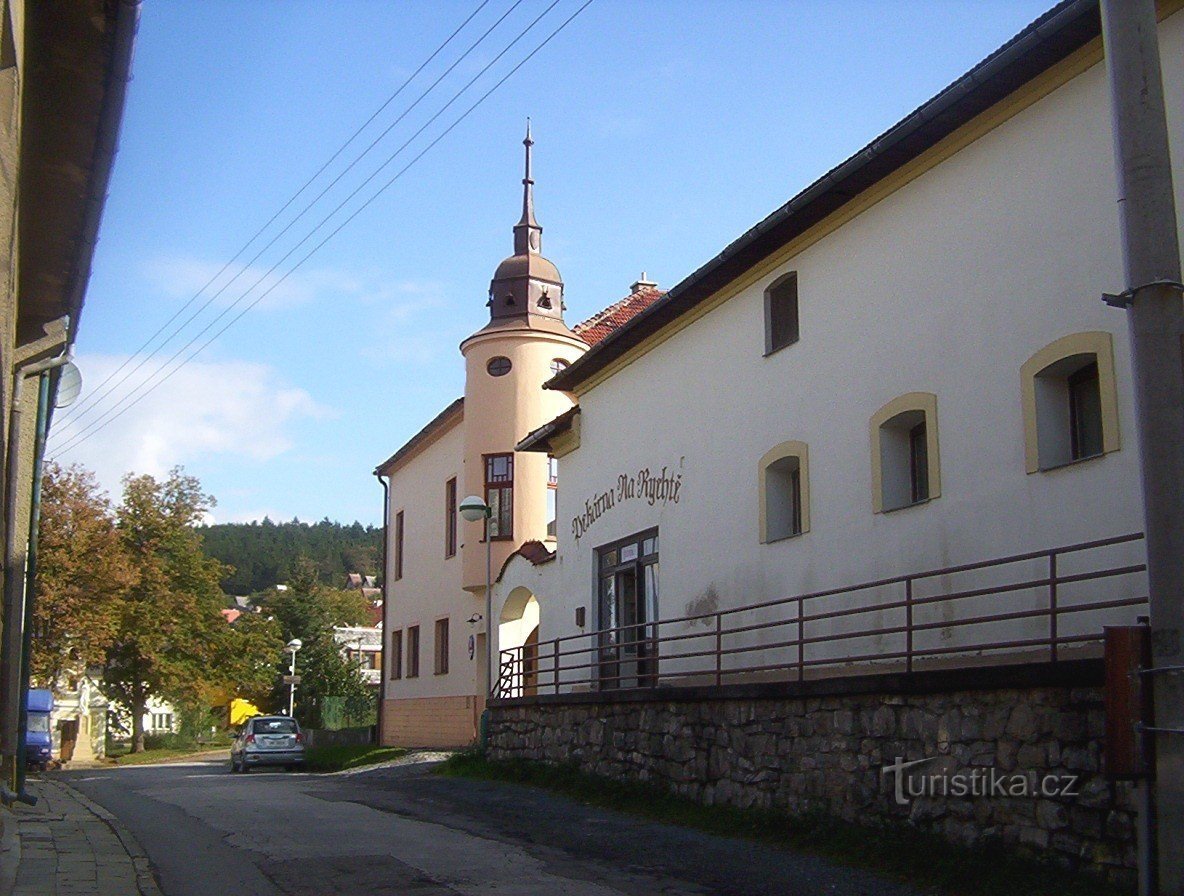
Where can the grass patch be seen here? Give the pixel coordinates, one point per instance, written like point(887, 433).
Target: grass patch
point(917, 857)
point(339, 758)
point(147, 757)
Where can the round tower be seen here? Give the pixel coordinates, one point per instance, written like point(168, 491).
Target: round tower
point(506, 364)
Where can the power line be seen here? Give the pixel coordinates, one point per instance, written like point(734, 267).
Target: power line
point(96, 424)
point(99, 425)
point(85, 407)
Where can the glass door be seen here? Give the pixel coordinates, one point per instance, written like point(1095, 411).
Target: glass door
point(628, 608)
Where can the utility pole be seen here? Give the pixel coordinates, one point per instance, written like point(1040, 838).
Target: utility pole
point(1155, 303)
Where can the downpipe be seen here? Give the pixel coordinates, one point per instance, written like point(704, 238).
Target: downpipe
point(11, 698)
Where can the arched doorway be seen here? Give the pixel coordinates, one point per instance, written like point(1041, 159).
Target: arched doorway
point(518, 644)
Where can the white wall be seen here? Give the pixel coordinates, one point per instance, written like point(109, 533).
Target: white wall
point(946, 286)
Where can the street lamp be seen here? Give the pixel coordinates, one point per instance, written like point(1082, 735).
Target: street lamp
point(473, 509)
point(291, 647)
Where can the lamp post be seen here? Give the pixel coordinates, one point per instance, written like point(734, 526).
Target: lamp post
point(473, 509)
point(291, 647)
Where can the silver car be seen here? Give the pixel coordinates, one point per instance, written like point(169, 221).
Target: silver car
point(267, 740)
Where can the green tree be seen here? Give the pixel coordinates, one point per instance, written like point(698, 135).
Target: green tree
point(170, 634)
point(249, 651)
point(309, 610)
point(83, 574)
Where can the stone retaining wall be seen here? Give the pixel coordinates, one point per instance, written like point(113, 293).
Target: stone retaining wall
point(828, 753)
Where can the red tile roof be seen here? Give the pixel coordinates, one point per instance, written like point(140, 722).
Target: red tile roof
point(600, 326)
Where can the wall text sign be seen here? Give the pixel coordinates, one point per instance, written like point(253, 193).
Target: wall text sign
point(653, 488)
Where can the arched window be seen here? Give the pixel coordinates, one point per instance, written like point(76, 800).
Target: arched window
point(1070, 401)
point(906, 466)
point(558, 365)
point(784, 474)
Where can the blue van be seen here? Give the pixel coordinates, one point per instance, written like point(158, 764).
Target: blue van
point(39, 738)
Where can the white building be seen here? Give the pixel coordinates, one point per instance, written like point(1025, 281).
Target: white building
point(906, 368)
point(781, 468)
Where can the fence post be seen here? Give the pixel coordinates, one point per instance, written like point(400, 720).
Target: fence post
point(801, 645)
point(1052, 603)
point(719, 646)
point(555, 654)
point(908, 625)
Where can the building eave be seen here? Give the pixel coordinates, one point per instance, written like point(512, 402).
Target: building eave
point(540, 439)
point(1050, 39)
point(79, 55)
point(440, 424)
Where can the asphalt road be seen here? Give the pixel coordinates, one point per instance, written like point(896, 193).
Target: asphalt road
point(405, 831)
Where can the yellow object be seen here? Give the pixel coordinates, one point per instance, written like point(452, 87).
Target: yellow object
point(241, 710)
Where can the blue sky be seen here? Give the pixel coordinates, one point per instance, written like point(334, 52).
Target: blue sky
point(663, 131)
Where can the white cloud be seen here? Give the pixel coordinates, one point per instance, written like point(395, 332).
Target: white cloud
point(235, 409)
point(181, 277)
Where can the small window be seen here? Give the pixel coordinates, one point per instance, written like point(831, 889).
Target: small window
point(413, 652)
point(450, 517)
point(498, 366)
point(558, 365)
point(781, 313)
point(398, 545)
point(441, 666)
point(397, 654)
point(1085, 411)
point(905, 469)
point(552, 487)
point(784, 492)
point(1070, 401)
point(499, 495)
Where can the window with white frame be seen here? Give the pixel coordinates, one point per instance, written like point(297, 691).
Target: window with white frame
point(906, 466)
point(552, 489)
point(1070, 402)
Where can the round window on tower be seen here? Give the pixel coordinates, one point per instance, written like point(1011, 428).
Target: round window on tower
point(498, 366)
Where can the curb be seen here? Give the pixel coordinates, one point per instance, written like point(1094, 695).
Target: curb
point(10, 852)
point(145, 876)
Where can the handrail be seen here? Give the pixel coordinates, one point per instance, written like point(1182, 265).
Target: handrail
point(662, 651)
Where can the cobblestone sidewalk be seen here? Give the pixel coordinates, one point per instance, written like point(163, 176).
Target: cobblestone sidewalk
point(67, 845)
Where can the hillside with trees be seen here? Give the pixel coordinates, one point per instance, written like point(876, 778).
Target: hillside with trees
point(265, 553)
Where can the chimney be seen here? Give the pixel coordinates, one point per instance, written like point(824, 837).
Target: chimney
point(643, 283)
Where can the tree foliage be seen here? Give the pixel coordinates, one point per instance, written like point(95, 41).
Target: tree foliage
point(169, 630)
point(84, 572)
point(265, 553)
point(309, 610)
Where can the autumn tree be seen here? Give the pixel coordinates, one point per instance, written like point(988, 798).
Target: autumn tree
point(83, 574)
point(169, 632)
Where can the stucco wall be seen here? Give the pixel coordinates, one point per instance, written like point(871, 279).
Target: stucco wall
point(948, 285)
point(430, 587)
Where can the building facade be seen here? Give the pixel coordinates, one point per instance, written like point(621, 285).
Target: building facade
point(64, 67)
point(908, 368)
point(434, 629)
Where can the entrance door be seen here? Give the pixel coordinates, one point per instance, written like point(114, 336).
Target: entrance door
point(628, 612)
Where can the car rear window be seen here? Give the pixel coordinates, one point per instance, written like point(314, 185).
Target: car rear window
point(274, 726)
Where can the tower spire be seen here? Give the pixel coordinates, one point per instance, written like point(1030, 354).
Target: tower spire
point(527, 232)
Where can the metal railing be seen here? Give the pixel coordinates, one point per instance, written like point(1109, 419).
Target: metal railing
point(1042, 605)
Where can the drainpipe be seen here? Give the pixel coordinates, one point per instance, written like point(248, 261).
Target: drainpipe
point(15, 566)
point(45, 387)
point(1151, 252)
point(386, 513)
